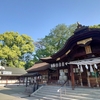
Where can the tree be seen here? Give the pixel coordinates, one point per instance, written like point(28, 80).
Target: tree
point(29, 60)
point(54, 41)
point(95, 26)
point(14, 48)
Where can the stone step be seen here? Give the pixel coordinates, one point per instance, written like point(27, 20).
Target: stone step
point(53, 97)
point(32, 98)
point(70, 90)
point(49, 97)
point(50, 93)
point(70, 95)
point(88, 95)
point(49, 87)
point(81, 92)
point(44, 98)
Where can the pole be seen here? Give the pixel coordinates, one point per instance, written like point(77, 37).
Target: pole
point(81, 75)
point(72, 77)
point(88, 79)
point(81, 79)
point(96, 79)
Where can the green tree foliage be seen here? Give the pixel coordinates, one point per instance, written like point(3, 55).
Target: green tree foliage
point(54, 41)
point(14, 48)
point(95, 26)
point(29, 64)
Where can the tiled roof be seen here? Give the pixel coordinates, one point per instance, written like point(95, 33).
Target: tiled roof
point(31, 74)
point(15, 71)
point(38, 67)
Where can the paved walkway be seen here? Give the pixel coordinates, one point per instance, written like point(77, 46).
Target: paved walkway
point(14, 93)
point(18, 93)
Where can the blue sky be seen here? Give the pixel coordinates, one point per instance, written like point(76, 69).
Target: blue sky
point(37, 17)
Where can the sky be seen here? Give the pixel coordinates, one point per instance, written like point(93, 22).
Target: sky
point(36, 18)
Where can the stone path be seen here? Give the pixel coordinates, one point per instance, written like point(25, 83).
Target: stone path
point(14, 93)
point(18, 93)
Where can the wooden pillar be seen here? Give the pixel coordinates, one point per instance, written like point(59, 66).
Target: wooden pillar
point(96, 79)
point(81, 79)
point(88, 79)
point(69, 73)
point(72, 77)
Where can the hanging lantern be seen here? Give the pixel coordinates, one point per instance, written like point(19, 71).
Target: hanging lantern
point(81, 68)
point(95, 65)
point(86, 66)
point(91, 69)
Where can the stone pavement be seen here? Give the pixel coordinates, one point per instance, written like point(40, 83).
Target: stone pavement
point(14, 92)
point(9, 97)
point(18, 93)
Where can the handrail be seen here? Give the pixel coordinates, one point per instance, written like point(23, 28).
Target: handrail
point(63, 85)
point(60, 90)
point(36, 90)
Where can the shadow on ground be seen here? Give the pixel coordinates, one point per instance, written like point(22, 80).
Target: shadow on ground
point(11, 89)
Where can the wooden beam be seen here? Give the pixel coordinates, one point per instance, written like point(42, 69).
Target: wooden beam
point(84, 41)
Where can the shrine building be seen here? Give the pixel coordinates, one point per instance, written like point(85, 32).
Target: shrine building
point(79, 59)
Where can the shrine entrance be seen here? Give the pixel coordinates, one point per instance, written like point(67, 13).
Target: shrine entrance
point(81, 54)
point(87, 72)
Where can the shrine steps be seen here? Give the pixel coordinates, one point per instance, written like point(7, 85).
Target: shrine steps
point(53, 93)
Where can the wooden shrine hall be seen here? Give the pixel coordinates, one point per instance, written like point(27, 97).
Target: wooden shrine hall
point(80, 56)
